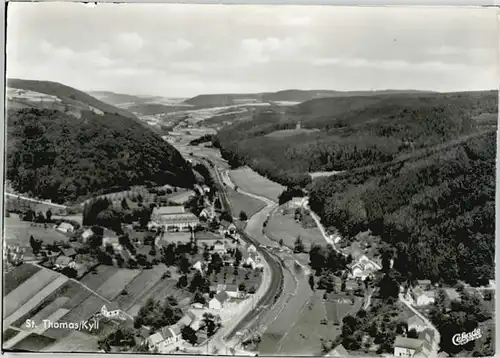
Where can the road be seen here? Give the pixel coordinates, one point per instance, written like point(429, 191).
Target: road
point(437, 336)
point(36, 200)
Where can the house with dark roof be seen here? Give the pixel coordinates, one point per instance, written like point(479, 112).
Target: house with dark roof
point(69, 252)
point(218, 301)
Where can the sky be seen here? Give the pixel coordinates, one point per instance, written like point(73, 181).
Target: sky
point(182, 50)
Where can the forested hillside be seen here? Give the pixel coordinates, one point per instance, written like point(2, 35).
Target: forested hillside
point(437, 210)
point(353, 132)
point(59, 157)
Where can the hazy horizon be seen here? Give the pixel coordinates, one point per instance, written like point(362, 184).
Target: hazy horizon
point(184, 50)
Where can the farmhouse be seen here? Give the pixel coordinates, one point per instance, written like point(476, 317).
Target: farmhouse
point(66, 227)
point(227, 228)
point(421, 297)
point(363, 267)
point(416, 323)
point(113, 312)
point(172, 218)
point(219, 301)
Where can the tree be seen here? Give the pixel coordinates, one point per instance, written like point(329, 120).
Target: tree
point(48, 215)
point(70, 272)
point(189, 335)
point(412, 333)
point(198, 298)
point(237, 257)
point(281, 242)
point(243, 216)
point(124, 205)
point(36, 245)
point(242, 287)
point(298, 246)
point(226, 216)
point(183, 282)
point(209, 321)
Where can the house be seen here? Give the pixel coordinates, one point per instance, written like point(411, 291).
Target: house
point(206, 189)
point(410, 347)
point(250, 262)
point(69, 252)
point(424, 284)
point(363, 267)
point(219, 301)
point(154, 341)
point(219, 247)
point(227, 228)
point(417, 323)
point(198, 266)
point(112, 311)
point(110, 240)
point(172, 218)
point(62, 262)
point(296, 202)
point(87, 234)
point(422, 298)
point(232, 291)
point(338, 351)
point(427, 335)
point(251, 249)
point(205, 214)
point(187, 319)
point(145, 332)
point(66, 227)
point(206, 236)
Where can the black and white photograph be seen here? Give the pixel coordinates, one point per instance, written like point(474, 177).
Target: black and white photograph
point(250, 180)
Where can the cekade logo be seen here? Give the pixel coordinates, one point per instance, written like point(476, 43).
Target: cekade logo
point(460, 339)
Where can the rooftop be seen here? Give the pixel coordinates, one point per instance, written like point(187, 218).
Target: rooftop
point(169, 210)
point(406, 342)
point(222, 296)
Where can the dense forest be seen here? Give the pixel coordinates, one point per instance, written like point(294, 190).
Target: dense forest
point(55, 156)
point(353, 132)
point(437, 210)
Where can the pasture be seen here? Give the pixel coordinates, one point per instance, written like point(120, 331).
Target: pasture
point(254, 183)
point(241, 202)
point(115, 284)
point(251, 278)
point(75, 342)
point(17, 276)
point(286, 228)
point(95, 279)
point(33, 343)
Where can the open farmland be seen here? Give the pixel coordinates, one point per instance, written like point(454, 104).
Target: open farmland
point(139, 287)
point(75, 342)
point(25, 291)
point(116, 283)
point(102, 274)
point(18, 232)
point(254, 183)
point(33, 343)
point(241, 202)
point(17, 276)
point(304, 338)
point(285, 227)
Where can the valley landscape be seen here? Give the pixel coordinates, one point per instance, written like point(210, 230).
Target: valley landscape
point(291, 222)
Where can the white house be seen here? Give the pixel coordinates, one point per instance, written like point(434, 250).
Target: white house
point(251, 249)
point(172, 218)
point(232, 291)
point(66, 227)
point(219, 301)
point(417, 323)
point(219, 247)
point(198, 266)
point(63, 261)
point(87, 234)
point(363, 267)
point(250, 262)
point(421, 297)
point(114, 312)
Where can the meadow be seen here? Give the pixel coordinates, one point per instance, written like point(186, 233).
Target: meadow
point(241, 202)
point(254, 183)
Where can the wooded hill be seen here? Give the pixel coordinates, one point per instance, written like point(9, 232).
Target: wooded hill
point(56, 156)
point(419, 172)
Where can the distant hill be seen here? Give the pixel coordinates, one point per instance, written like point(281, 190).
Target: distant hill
point(292, 95)
point(66, 94)
point(65, 158)
point(116, 99)
point(150, 109)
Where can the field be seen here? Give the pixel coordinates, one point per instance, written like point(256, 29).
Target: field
point(112, 287)
point(33, 343)
point(290, 132)
point(75, 342)
point(14, 278)
point(9, 333)
point(254, 277)
point(173, 237)
point(254, 183)
point(13, 203)
point(182, 197)
point(139, 287)
point(315, 175)
point(18, 232)
point(102, 273)
point(284, 227)
point(241, 202)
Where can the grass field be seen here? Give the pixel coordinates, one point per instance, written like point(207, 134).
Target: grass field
point(12, 203)
point(286, 228)
point(254, 277)
point(241, 202)
point(173, 237)
point(102, 273)
point(252, 182)
point(17, 276)
point(112, 287)
point(28, 289)
point(304, 338)
point(139, 287)
point(9, 333)
point(75, 342)
point(33, 343)
point(18, 232)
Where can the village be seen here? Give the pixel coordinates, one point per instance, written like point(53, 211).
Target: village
point(189, 241)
